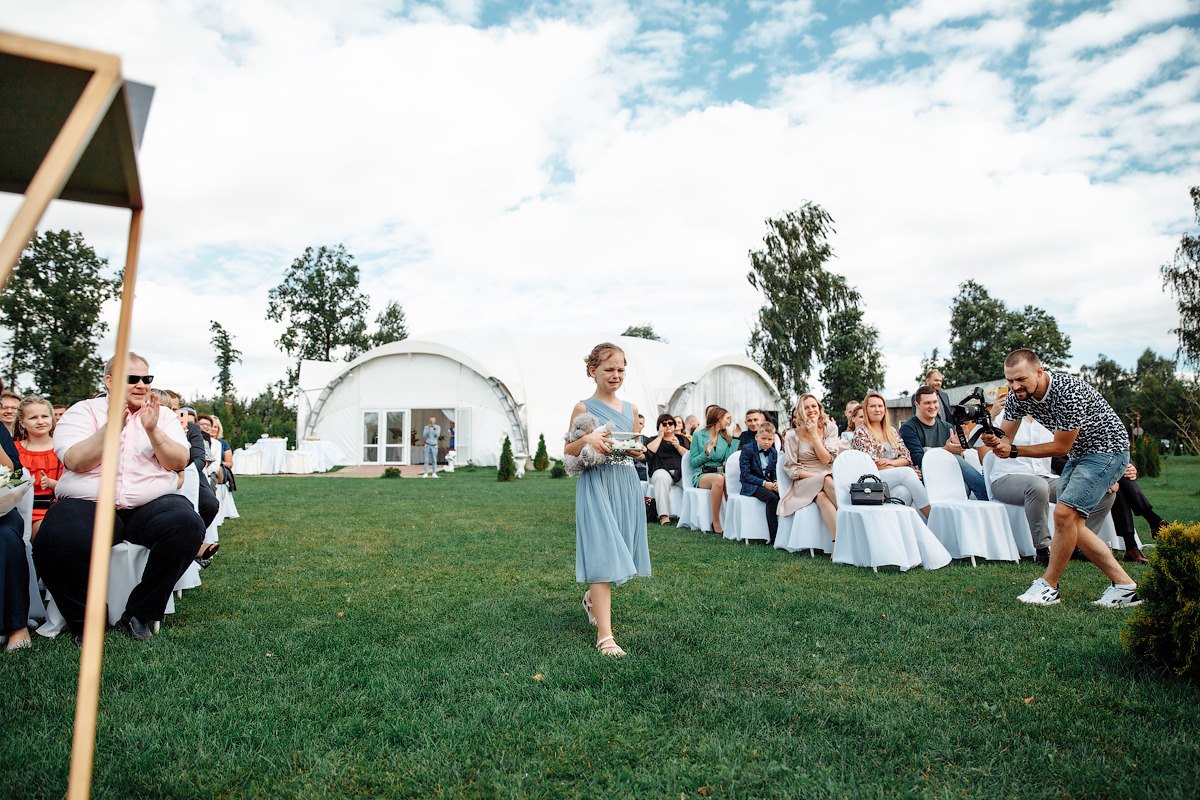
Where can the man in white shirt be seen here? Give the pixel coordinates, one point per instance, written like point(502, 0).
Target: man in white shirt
point(149, 512)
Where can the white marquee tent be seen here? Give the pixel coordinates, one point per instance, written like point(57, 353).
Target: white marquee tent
point(492, 383)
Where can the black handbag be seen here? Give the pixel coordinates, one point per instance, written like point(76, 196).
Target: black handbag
point(868, 490)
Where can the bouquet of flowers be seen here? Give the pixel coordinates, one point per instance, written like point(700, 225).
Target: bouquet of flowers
point(13, 486)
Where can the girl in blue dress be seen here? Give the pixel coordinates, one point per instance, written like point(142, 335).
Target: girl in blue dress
point(610, 514)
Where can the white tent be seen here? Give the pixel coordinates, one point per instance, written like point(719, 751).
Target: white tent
point(492, 383)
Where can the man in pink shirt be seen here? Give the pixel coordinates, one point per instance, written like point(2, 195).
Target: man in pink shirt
point(149, 512)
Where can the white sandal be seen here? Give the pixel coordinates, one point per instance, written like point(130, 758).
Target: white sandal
point(587, 606)
point(611, 649)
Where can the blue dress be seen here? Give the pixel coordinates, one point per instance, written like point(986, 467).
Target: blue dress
point(610, 514)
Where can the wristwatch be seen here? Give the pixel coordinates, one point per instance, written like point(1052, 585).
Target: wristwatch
point(1012, 453)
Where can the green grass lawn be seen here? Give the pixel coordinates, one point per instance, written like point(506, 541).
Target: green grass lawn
point(409, 638)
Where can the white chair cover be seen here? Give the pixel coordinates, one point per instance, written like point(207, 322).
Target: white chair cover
point(297, 463)
point(745, 517)
point(967, 528)
point(37, 609)
point(972, 458)
point(803, 530)
point(124, 572)
point(247, 462)
point(676, 494)
point(228, 507)
point(876, 536)
point(695, 508)
point(1018, 523)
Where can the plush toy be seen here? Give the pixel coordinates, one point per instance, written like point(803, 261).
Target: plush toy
point(588, 457)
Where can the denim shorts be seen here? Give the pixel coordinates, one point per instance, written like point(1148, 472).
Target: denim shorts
point(1085, 480)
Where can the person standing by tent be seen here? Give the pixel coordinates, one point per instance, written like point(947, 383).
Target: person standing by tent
point(610, 515)
point(431, 434)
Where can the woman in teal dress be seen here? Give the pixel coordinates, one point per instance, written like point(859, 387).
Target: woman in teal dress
point(610, 514)
point(710, 448)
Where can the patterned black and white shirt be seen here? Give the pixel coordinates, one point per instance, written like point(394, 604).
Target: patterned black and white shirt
point(1071, 404)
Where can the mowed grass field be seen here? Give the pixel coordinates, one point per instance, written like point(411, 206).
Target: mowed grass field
point(420, 638)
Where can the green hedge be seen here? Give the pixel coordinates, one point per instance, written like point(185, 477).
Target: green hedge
point(1165, 628)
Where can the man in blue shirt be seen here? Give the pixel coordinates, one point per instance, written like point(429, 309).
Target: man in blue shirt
point(431, 434)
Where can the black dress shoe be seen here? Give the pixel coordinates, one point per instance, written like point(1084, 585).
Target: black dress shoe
point(134, 628)
point(1042, 556)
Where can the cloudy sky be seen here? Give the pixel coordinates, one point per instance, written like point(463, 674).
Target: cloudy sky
point(599, 163)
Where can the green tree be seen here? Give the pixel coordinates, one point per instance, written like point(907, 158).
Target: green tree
point(643, 332)
point(325, 312)
point(853, 362)
point(797, 292)
point(391, 324)
point(983, 331)
point(52, 306)
point(1183, 278)
point(227, 356)
point(541, 459)
point(508, 467)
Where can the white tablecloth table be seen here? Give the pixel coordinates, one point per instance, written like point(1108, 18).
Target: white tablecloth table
point(325, 455)
point(274, 454)
point(247, 462)
point(297, 463)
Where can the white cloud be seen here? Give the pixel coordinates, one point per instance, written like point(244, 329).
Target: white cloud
point(784, 20)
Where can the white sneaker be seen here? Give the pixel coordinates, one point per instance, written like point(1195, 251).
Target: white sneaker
point(1116, 597)
point(1040, 594)
point(424, 474)
point(435, 475)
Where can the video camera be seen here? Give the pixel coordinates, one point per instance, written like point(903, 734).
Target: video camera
point(973, 408)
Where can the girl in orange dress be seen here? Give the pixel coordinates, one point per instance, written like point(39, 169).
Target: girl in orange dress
point(35, 443)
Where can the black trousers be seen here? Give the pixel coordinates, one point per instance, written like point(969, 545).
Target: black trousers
point(772, 501)
point(14, 573)
point(1130, 500)
point(62, 551)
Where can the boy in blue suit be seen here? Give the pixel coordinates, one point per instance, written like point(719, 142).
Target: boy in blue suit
point(758, 463)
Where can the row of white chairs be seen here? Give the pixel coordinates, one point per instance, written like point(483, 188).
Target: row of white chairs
point(874, 536)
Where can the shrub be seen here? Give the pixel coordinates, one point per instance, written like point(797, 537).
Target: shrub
point(1145, 457)
point(1165, 628)
point(391, 472)
point(559, 470)
point(470, 465)
point(508, 467)
point(541, 459)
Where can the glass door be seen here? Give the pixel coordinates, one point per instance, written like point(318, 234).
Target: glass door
point(395, 449)
point(370, 437)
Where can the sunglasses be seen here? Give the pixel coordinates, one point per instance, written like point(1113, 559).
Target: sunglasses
point(133, 379)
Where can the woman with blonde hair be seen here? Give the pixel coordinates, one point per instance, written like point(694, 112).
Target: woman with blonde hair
point(878, 439)
point(710, 448)
point(808, 452)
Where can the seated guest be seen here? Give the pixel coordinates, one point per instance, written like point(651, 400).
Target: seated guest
point(758, 463)
point(639, 464)
point(710, 448)
point(14, 568)
point(664, 458)
point(754, 418)
point(680, 432)
point(854, 418)
point(929, 430)
point(691, 425)
point(226, 476)
point(198, 455)
point(808, 452)
point(1130, 500)
point(149, 512)
point(35, 430)
point(879, 440)
point(59, 410)
point(847, 413)
point(8, 411)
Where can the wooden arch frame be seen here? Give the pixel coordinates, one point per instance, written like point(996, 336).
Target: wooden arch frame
point(71, 128)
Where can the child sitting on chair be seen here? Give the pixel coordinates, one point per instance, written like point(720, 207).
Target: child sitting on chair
point(758, 474)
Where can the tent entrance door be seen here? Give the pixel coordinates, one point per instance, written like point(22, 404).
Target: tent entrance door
point(394, 447)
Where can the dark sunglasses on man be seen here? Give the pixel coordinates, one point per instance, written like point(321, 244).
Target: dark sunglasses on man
point(146, 379)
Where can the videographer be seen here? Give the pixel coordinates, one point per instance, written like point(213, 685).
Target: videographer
point(928, 429)
point(1091, 435)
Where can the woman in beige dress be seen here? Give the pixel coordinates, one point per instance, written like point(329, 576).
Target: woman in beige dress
point(808, 451)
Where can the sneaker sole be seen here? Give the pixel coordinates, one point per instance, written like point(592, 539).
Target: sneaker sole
point(1039, 602)
point(1117, 605)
